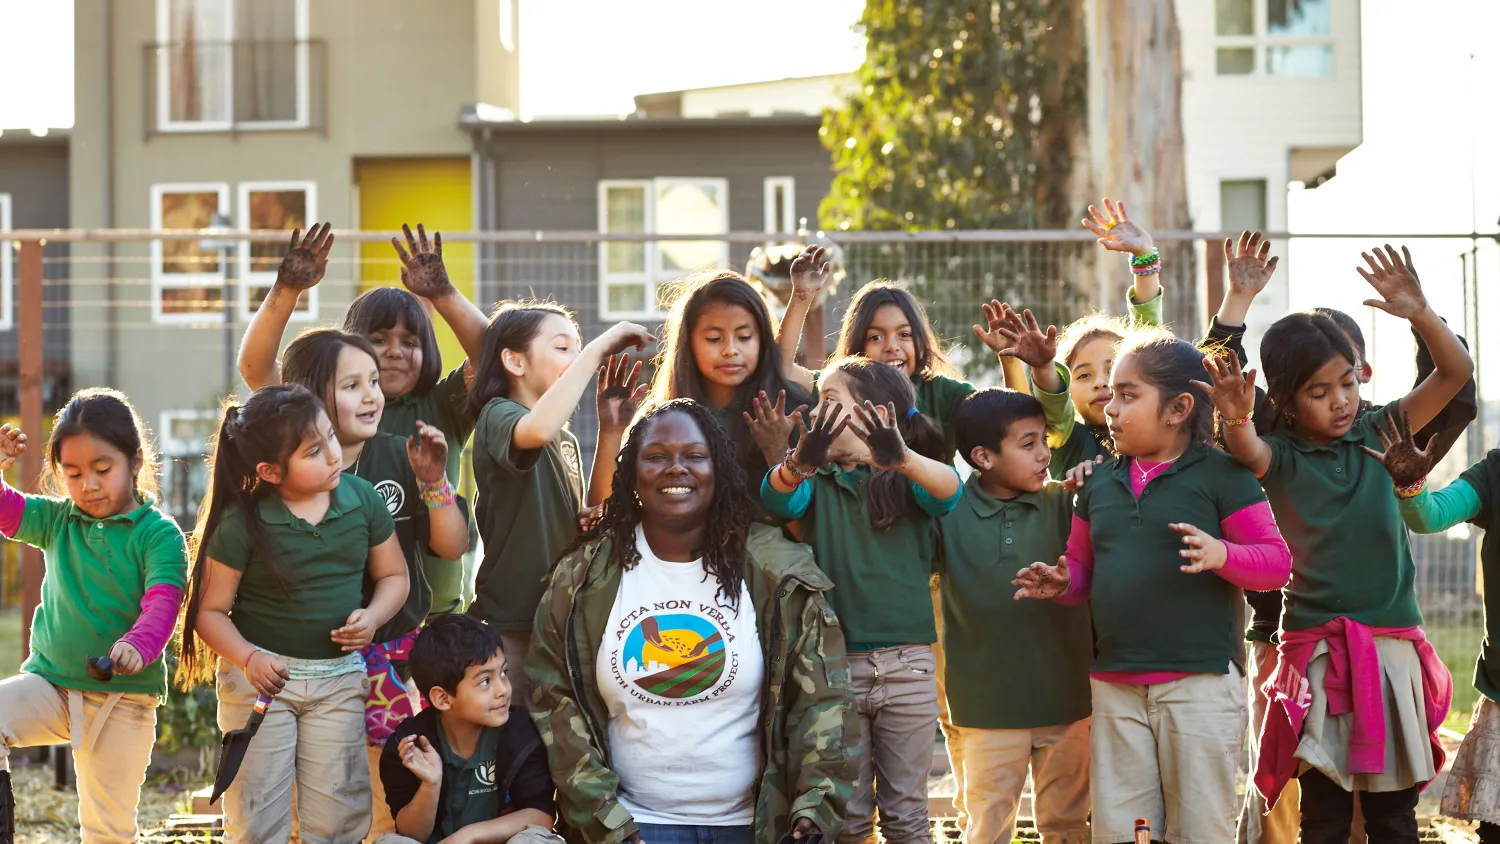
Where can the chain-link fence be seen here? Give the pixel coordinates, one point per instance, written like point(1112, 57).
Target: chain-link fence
point(161, 319)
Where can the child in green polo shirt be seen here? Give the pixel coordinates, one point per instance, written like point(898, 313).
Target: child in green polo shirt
point(116, 567)
point(284, 547)
point(1014, 707)
point(526, 462)
point(1351, 605)
point(866, 486)
point(472, 766)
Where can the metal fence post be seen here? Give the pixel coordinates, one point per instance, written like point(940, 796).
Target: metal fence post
point(29, 323)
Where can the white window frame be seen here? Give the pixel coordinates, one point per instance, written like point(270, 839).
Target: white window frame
point(508, 24)
point(173, 447)
point(1258, 41)
point(162, 281)
point(7, 268)
point(654, 276)
point(247, 278)
point(788, 206)
point(164, 121)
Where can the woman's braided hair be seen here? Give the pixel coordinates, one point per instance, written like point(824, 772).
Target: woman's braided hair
point(729, 515)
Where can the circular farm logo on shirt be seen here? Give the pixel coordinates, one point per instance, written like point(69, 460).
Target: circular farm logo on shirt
point(674, 658)
point(392, 494)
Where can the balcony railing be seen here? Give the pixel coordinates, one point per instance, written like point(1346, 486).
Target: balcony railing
point(235, 86)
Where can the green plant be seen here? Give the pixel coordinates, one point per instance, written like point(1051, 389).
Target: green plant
point(188, 719)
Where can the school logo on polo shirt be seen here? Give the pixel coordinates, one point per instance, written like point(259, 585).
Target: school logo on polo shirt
point(485, 773)
point(392, 494)
point(570, 457)
point(674, 654)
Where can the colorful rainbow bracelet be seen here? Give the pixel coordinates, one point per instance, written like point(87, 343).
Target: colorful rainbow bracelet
point(1146, 260)
point(437, 495)
point(1236, 421)
point(1152, 269)
point(1413, 490)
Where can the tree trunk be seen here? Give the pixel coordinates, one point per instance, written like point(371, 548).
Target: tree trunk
point(1136, 145)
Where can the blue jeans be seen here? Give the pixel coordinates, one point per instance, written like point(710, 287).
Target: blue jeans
point(660, 833)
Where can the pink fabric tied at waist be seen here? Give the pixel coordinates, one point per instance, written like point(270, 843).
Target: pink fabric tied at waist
point(1353, 687)
point(389, 700)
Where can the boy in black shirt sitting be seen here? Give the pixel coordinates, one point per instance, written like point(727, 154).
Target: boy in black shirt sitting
point(466, 770)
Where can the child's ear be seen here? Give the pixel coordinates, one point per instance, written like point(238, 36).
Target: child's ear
point(440, 699)
point(511, 360)
point(268, 472)
point(1180, 409)
point(1366, 372)
point(979, 458)
point(138, 462)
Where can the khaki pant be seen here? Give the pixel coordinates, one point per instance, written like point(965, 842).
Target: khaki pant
point(313, 739)
point(516, 644)
point(895, 693)
point(997, 761)
point(1281, 825)
point(111, 735)
point(1169, 753)
point(952, 737)
point(530, 835)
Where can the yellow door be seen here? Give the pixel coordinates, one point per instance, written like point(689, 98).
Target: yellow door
point(432, 191)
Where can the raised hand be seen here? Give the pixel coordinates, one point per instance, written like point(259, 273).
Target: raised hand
point(1406, 465)
point(622, 336)
point(1115, 230)
point(812, 446)
point(306, 258)
point(127, 659)
point(1041, 581)
point(357, 632)
point(1035, 347)
point(12, 446)
point(1076, 477)
point(810, 271)
point(1249, 271)
point(1203, 552)
point(619, 395)
point(1395, 279)
point(878, 429)
point(427, 450)
point(419, 757)
point(422, 270)
point(1232, 390)
point(771, 425)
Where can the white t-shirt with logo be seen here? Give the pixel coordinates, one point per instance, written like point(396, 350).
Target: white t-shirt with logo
point(682, 674)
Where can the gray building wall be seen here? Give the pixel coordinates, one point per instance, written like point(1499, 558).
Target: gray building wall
point(34, 172)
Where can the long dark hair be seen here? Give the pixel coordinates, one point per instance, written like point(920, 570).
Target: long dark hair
point(108, 415)
point(677, 375)
point(880, 384)
point(729, 516)
point(1292, 351)
point(513, 326)
point(267, 428)
point(931, 360)
point(382, 309)
point(1171, 365)
point(312, 361)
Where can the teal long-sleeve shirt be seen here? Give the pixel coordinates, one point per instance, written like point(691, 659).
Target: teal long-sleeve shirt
point(1435, 512)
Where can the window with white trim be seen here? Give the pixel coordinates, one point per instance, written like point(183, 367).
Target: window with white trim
point(184, 438)
point(187, 281)
point(265, 206)
point(7, 268)
point(630, 273)
point(224, 64)
point(781, 204)
point(1273, 37)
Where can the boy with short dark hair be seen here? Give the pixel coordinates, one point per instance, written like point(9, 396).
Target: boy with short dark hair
point(466, 770)
point(1017, 671)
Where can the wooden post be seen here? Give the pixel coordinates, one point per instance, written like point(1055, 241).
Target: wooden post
point(29, 323)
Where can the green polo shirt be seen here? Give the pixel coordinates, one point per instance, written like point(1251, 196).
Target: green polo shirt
point(527, 509)
point(442, 407)
point(292, 606)
point(992, 683)
point(1350, 552)
point(384, 463)
point(881, 592)
point(1071, 440)
point(97, 572)
point(1148, 614)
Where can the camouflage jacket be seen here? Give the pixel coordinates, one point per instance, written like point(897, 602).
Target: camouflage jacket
point(809, 731)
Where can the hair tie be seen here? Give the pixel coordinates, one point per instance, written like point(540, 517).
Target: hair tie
point(910, 414)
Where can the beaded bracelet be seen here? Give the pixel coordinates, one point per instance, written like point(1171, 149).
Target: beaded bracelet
point(1151, 257)
point(1151, 270)
point(437, 495)
point(1411, 491)
point(1236, 421)
point(790, 464)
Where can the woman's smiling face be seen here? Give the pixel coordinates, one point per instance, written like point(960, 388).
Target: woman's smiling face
point(674, 475)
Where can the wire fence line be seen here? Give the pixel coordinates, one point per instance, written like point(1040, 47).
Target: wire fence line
point(160, 315)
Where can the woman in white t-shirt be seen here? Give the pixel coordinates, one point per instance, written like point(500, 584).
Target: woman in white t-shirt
point(688, 673)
